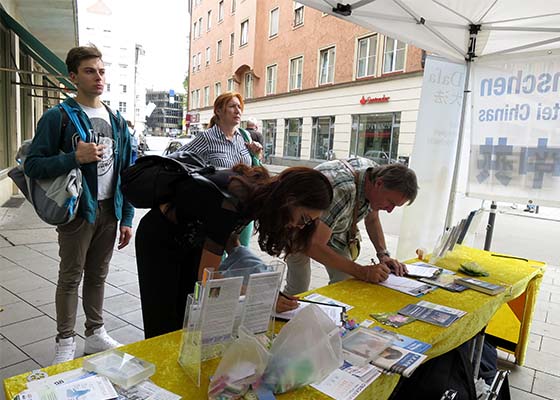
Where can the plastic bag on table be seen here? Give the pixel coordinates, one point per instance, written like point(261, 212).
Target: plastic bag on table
point(242, 366)
point(305, 351)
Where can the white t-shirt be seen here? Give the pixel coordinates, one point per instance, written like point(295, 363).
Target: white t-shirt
point(103, 134)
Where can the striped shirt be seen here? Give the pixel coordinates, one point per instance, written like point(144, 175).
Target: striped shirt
point(218, 151)
point(340, 214)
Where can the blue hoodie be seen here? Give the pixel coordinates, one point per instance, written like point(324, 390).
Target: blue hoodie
point(46, 161)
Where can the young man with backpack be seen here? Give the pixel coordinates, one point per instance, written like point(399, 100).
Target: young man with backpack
point(86, 243)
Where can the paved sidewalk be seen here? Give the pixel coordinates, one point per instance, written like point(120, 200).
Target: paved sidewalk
point(28, 273)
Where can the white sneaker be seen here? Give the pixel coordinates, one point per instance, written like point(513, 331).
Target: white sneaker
point(100, 341)
point(64, 350)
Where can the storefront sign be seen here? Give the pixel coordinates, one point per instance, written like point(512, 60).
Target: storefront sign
point(367, 100)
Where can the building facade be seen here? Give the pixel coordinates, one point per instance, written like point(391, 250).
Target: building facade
point(34, 39)
point(320, 87)
point(167, 117)
point(122, 58)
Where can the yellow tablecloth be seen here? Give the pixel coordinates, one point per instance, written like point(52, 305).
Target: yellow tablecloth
point(518, 275)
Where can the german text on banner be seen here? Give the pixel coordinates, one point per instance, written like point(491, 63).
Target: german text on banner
point(515, 140)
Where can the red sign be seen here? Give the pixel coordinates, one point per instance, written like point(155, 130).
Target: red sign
point(368, 100)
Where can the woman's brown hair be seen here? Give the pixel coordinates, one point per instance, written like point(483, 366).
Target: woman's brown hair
point(220, 105)
point(270, 202)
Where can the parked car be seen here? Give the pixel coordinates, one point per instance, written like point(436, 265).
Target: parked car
point(175, 144)
point(379, 156)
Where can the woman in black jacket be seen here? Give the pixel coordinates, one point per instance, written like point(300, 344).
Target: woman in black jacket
point(178, 240)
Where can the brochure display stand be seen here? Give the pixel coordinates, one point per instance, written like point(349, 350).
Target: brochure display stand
point(222, 302)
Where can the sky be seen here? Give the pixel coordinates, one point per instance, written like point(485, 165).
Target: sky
point(162, 28)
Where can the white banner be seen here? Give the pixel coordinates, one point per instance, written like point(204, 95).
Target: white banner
point(433, 155)
point(515, 141)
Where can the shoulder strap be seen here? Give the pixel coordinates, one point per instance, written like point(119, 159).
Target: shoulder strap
point(73, 117)
point(246, 135)
point(354, 227)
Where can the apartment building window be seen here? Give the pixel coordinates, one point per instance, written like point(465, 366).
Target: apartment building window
point(322, 138)
point(221, 11)
point(394, 55)
point(123, 88)
point(217, 89)
point(206, 96)
point(248, 85)
point(273, 23)
point(326, 66)
point(198, 61)
point(108, 87)
point(296, 73)
point(108, 102)
point(219, 51)
point(122, 106)
point(195, 29)
point(244, 33)
point(376, 136)
point(209, 20)
point(233, 6)
point(230, 85)
point(195, 97)
point(367, 55)
point(231, 43)
point(199, 27)
point(194, 63)
point(208, 56)
point(292, 137)
point(298, 13)
point(269, 134)
point(123, 66)
point(271, 73)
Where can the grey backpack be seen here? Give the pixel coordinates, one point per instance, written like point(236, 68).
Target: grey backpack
point(55, 200)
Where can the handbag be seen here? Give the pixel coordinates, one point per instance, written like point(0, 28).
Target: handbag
point(354, 239)
point(256, 162)
point(55, 200)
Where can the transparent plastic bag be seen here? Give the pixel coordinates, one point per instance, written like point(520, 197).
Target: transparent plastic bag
point(242, 366)
point(305, 351)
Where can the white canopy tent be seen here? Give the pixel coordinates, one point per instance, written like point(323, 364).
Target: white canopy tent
point(460, 31)
point(457, 29)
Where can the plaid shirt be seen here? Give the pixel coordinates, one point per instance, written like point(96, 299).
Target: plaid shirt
point(340, 214)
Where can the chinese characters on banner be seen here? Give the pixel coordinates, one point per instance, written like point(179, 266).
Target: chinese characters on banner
point(433, 155)
point(515, 142)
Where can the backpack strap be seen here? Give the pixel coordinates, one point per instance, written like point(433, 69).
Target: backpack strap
point(74, 118)
point(247, 137)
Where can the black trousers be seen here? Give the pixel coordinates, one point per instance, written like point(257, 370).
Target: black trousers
point(167, 272)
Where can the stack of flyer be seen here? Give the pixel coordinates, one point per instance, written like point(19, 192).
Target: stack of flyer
point(90, 385)
point(401, 354)
point(431, 313)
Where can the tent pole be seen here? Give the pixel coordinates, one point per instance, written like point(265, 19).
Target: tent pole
point(451, 202)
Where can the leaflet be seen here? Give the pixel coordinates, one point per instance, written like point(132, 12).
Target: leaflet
point(260, 297)
point(319, 298)
point(398, 360)
point(91, 388)
point(422, 270)
point(403, 341)
point(220, 298)
point(348, 381)
point(429, 315)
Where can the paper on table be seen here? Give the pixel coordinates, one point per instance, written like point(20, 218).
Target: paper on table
point(406, 285)
point(333, 312)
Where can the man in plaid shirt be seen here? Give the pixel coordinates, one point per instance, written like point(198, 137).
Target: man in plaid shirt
point(379, 188)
